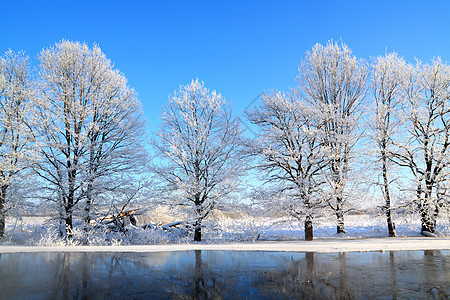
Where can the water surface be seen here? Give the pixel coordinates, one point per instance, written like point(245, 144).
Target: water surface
point(225, 274)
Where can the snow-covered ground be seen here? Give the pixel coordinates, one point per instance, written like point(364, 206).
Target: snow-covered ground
point(364, 233)
point(321, 245)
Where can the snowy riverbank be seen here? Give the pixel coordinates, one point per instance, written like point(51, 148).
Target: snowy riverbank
point(319, 246)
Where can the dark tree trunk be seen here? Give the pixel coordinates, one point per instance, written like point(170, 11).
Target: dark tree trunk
point(436, 214)
point(198, 223)
point(338, 192)
point(87, 209)
point(198, 233)
point(2, 223)
point(427, 222)
point(62, 225)
point(2, 216)
point(340, 228)
point(426, 218)
point(93, 166)
point(387, 197)
point(71, 195)
point(308, 229)
point(428, 225)
point(340, 216)
point(2, 210)
point(391, 225)
point(69, 226)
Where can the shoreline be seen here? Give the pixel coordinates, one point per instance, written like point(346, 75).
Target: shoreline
point(317, 246)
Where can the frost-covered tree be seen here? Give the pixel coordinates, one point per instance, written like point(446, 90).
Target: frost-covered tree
point(334, 82)
point(425, 151)
point(88, 126)
point(289, 147)
point(15, 94)
point(388, 75)
point(198, 145)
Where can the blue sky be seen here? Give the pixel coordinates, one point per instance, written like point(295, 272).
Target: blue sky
point(238, 48)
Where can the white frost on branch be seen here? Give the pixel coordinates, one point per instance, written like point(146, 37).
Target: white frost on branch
point(87, 125)
point(198, 145)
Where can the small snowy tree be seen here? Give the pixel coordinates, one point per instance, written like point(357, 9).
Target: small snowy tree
point(198, 144)
point(88, 126)
point(15, 94)
point(334, 82)
point(425, 151)
point(289, 147)
point(388, 75)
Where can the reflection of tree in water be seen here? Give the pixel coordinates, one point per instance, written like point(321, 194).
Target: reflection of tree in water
point(222, 274)
point(73, 278)
point(114, 265)
point(197, 283)
point(432, 258)
point(61, 276)
point(302, 279)
point(343, 290)
point(85, 285)
point(393, 274)
point(204, 287)
point(350, 275)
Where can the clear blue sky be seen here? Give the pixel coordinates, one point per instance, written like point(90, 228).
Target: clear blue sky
point(239, 48)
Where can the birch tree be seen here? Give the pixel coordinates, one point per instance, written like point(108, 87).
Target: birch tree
point(289, 147)
point(198, 145)
point(426, 151)
point(334, 82)
point(387, 85)
point(88, 126)
point(15, 95)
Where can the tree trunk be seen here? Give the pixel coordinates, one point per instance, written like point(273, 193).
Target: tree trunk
point(340, 216)
point(198, 208)
point(308, 228)
point(2, 223)
point(87, 217)
point(62, 225)
point(387, 197)
point(340, 228)
point(426, 218)
point(69, 226)
point(198, 233)
point(391, 225)
point(436, 214)
point(427, 223)
point(2, 212)
point(87, 208)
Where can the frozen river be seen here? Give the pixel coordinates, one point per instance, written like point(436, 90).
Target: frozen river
point(207, 274)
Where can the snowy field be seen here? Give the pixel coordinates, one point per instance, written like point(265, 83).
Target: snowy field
point(364, 233)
